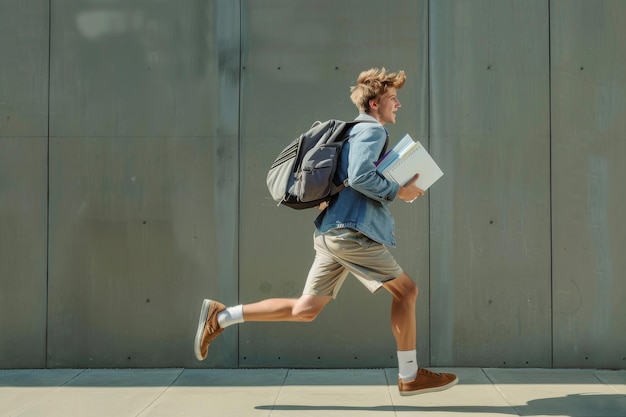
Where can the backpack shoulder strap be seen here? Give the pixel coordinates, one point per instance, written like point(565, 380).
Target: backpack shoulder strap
point(354, 122)
point(383, 152)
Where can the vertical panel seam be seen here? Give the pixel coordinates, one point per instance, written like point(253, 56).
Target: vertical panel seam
point(430, 146)
point(550, 183)
point(239, 176)
point(47, 296)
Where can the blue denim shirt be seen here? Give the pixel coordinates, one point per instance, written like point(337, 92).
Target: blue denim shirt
point(363, 205)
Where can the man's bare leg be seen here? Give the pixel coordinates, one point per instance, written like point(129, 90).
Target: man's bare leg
point(305, 308)
point(403, 323)
point(412, 379)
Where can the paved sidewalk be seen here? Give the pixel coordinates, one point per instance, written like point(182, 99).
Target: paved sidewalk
point(293, 392)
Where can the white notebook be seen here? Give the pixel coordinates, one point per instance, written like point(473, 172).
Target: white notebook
point(405, 160)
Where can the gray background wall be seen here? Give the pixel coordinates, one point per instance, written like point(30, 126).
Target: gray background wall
point(135, 138)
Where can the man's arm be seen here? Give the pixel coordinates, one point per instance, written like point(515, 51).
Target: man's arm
point(365, 149)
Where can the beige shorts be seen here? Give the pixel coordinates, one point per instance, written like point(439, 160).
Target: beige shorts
point(341, 251)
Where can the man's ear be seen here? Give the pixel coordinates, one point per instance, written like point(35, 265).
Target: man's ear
point(373, 103)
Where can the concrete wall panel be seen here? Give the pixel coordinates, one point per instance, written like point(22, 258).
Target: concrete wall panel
point(143, 180)
point(298, 64)
point(589, 160)
point(490, 213)
point(23, 182)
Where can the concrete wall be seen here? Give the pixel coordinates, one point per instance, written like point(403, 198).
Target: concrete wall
point(135, 138)
point(490, 216)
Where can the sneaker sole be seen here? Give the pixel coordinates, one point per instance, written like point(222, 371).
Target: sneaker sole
point(204, 311)
point(427, 390)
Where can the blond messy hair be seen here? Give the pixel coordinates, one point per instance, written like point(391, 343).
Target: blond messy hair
point(373, 84)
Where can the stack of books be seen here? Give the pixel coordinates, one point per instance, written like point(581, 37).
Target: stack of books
point(405, 160)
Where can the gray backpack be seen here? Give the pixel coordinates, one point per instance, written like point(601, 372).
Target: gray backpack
point(303, 174)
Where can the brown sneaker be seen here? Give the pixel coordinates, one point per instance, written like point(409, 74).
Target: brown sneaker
point(427, 381)
point(208, 327)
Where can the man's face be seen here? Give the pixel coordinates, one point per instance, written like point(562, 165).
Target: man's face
point(387, 106)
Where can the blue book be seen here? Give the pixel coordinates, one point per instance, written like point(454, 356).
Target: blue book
point(394, 153)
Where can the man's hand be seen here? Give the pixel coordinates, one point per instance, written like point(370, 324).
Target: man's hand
point(322, 206)
point(410, 191)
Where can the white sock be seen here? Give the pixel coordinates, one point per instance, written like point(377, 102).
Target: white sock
point(407, 365)
point(230, 316)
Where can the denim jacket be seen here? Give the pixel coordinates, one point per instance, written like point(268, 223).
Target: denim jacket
point(363, 205)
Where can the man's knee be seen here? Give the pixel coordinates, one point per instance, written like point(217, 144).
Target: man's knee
point(309, 307)
point(403, 288)
point(409, 291)
point(304, 315)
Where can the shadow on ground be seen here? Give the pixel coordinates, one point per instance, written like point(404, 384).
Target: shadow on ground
point(606, 405)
